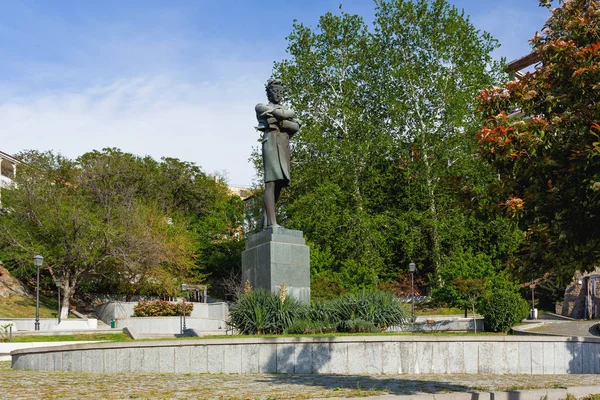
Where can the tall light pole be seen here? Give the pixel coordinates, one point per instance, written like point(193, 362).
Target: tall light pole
point(37, 261)
point(58, 283)
point(533, 316)
point(183, 288)
point(412, 266)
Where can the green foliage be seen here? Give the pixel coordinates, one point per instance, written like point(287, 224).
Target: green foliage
point(460, 278)
point(379, 308)
point(5, 332)
point(503, 309)
point(309, 326)
point(548, 155)
point(323, 287)
point(161, 308)
point(358, 325)
point(384, 171)
point(112, 221)
point(263, 312)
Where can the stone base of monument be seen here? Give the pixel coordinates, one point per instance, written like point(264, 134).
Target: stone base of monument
point(275, 256)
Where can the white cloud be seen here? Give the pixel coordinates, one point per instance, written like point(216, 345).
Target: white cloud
point(210, 124)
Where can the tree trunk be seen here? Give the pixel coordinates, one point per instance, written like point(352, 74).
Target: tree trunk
point(435, 236)
point(474, 320)
point(67, 293)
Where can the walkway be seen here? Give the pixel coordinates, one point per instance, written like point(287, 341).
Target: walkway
point(25, 385)
point(564, 328)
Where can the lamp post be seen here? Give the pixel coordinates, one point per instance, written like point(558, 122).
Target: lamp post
point(533, 316)
point(37, 261)
point(411, 267)
point(183, 288)
point(58, 283)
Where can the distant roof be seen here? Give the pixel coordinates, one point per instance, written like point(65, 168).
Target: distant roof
point(6, 156)
point(523, 62)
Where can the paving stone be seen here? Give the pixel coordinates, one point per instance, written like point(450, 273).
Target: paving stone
point(28, 385)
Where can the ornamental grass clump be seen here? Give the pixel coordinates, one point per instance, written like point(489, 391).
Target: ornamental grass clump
point(310, 327)
point(379, 308)
point(263, 312)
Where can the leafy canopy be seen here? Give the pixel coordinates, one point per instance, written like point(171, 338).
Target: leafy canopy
point(547, 154)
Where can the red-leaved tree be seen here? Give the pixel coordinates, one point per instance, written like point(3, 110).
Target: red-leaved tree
point(542, 134)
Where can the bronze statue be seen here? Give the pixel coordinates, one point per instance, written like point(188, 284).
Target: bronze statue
point(278, 125)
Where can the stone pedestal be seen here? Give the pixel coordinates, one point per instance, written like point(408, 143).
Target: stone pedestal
point(278, 255)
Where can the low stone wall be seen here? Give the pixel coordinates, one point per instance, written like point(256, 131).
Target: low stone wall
point(169, 325)
point(47, 324)
point(332, 355)
point(124, 309)
point(439, 324)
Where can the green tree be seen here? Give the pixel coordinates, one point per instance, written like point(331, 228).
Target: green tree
point(115, 222)
point(385, 160)
point(63, 210)
point(212, 214)
point(548, 155)
point(454, 274)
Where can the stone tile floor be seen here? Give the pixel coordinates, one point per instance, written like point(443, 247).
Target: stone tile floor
point(71, 385)
point(566, 328)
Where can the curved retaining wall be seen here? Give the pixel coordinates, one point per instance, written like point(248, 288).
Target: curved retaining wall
point(331, 355)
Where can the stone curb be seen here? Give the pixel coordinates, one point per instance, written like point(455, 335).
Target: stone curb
point(316, 340)
point(533, 394)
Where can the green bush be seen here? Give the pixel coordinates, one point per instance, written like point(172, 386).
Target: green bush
point(308, 327)
point(358, 326)
point(161, 308)
point(263, 312)
point(380, 308)
point(324, 288)
point(503, 309)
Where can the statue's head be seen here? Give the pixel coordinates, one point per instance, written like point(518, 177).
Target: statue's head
point(274, 90)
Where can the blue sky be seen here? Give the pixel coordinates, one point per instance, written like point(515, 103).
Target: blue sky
point(175, 78)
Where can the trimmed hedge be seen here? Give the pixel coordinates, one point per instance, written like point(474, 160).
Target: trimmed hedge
point(502, 310)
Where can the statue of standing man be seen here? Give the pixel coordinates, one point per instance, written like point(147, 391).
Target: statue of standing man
point(277, 124)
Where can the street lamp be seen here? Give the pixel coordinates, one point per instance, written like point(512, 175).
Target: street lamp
point(411, 267)
point(533, 313)
point(37, 261)
point(58, 283)
point(184, 288)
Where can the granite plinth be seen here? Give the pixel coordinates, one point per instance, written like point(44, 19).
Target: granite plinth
point(275, 256)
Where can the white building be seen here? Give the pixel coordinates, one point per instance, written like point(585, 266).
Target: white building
point(8, 171)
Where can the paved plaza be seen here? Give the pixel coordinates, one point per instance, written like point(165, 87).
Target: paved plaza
point(70, 385)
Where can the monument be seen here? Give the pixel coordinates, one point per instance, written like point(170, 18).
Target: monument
point(276, 255)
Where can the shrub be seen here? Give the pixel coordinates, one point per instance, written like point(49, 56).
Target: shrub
point(161, 308)
point(263, 312)
point(5, 332)
point(307, 327)
point(380, 308)
point(324, 288)
point(502, 310)
point(358, 326)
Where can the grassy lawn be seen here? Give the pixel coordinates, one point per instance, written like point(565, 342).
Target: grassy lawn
point(24, 307)
point(111, 337)
point(439, 333)
point(121, 337)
